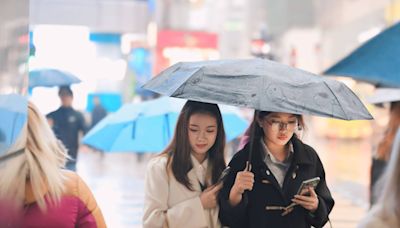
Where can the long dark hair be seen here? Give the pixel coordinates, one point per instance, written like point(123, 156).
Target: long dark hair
point(256, 132)
point(178, 151)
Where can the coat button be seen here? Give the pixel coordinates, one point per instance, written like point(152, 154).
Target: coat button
point(267, 172)
point(294, 175)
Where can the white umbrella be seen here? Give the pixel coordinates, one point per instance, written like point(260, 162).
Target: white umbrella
point(384, 95)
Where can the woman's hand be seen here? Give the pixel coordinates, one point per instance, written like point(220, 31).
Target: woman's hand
point(208, 197)
point(244, 181)
point(308, 202)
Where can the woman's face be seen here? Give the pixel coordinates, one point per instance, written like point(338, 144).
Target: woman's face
point(202, 134)
point(278, 127)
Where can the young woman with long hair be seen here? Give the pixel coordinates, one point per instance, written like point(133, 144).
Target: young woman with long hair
point(257, 194)
point(37, 184)
point(180, 185)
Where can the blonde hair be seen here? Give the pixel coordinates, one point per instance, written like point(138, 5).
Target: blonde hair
point(40, 165)
point(388, 208)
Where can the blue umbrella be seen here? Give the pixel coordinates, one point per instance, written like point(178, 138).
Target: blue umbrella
point(13, 109)
point(50, 78)
point(149, 126)
point(377, 61)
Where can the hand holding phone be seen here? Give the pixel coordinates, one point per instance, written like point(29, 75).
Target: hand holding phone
point(224, 175)
point(303, 190)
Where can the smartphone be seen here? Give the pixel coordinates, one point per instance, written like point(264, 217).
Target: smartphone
point(303, 190)
point(313, 182)
point(223, 176)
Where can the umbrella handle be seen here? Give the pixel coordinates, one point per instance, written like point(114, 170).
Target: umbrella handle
point(248, 166)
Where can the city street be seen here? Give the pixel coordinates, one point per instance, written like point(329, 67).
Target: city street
point(104, 74)
point(117, 181)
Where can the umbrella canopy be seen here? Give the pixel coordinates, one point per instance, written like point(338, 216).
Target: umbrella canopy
point(260, 84)
point(149, 126)
point(13, 109)
point(384, 95)
point(50, 78)
point(377, 61)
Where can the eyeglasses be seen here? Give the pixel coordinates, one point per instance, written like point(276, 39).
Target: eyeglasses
point(279, 125)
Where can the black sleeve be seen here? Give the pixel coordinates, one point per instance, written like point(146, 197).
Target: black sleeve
point(320, 217)
point(229, 215)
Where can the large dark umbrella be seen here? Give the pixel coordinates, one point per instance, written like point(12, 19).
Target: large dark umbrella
point(377, 61)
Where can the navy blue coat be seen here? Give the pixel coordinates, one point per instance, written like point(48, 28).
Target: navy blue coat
point(252, 211)
point(67, 123)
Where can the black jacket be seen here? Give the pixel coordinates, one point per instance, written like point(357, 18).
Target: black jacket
point(67, 123)
point(252, 210)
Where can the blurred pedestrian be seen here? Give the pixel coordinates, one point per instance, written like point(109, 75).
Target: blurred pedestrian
point(67, 124)
point(181, 183)
point(257, 194)
point(98, 112)
point(385, 213)
point(36, 182)
point(382, 153)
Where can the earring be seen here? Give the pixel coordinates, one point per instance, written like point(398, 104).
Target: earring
point(299, 127)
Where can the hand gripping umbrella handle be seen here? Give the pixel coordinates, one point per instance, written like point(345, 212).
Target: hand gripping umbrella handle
point(248, 169)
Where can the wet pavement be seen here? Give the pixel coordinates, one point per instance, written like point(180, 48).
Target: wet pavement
point(117, 181)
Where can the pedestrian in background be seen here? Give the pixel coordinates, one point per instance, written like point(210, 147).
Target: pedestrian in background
point(384, 149)
point(98, 112)
point(385, 213)
point(67, 124)
point(180, 185)
point(36, 182)
point(257, 194)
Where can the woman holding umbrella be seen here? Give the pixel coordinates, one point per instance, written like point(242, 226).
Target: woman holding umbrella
point(181, 183)
point(258, 195)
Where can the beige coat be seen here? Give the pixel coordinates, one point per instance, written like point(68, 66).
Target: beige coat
point(170, 204)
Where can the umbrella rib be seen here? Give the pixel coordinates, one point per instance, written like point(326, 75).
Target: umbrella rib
point(180, 89)
point(340, 105)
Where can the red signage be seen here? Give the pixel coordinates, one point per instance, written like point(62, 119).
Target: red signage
point(172, 45)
